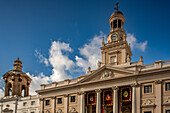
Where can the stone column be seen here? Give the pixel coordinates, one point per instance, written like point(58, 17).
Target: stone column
point(41, 105)
point(98, 102)
point(82, 102)
point(53, 100)
point(138, 99)
point(158, 84)
point(115, 99)
point(134, 97)
point(66, 104)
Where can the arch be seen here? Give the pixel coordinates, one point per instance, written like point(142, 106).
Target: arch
point(115, 24)
point(119, 23)
point(9, 89)
point(23, 91)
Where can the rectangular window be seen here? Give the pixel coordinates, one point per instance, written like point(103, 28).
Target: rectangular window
point(148, 112)
point(25, 103)
point(73, 98)
point(112, 59)
point(167, 85)
point(148, 89)
point(47, 102)
point(167, 111)
point(32, 102)
point(59, 101)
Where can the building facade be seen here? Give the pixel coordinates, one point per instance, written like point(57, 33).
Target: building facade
point(117, 86)
point(17, 98)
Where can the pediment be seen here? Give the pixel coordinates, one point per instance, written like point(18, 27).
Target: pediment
point(106, 72)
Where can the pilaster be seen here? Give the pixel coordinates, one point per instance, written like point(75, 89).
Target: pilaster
point(158, 92)
point(115, 99)
point(66, 103)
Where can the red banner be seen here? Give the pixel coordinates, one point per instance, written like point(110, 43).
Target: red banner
point(126, 94)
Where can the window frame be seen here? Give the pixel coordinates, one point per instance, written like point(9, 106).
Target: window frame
point(32, 102)
point(168, 82)
point(58, 100)
point(74, 99)
point(148, 86)
point(167, 110)
point(48, 102)
point(24, 103)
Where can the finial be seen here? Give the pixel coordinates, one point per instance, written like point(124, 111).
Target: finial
point(117, 6)
point(89, 69)
point(18, 64)
point(99, 64)
point(141, 58)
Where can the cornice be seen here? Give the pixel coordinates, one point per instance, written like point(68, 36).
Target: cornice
point(105, 80)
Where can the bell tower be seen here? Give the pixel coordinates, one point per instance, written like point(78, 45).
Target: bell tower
point(116, 51)
point(16, 81)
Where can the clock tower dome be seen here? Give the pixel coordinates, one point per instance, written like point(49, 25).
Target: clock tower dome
point(116, 51)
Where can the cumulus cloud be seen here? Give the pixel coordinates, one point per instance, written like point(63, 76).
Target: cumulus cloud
point(41, 58)
point(90, 53)
point(60, 61)
point(1, 87)
point(37, 81)
point(1, 93)
point(135, 44)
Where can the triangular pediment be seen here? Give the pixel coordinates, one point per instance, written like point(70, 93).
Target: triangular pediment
point(106, 72)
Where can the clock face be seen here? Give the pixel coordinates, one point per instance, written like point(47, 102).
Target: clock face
point(114, 36)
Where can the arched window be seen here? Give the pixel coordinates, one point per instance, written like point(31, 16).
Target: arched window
point(23, 91)
point(119, 23)
point(10, 89)
point(115, 24)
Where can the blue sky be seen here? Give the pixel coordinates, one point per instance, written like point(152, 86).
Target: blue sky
point(30, 28)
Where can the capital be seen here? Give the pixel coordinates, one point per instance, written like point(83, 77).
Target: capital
point(53, 97)
point(158, 81)
point(66, 95)
point(115, 88)
point(81, 93)
point(98, 90)
point(41, 99)
point(134, 85)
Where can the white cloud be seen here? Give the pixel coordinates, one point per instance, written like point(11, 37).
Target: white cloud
point(1, 93)
point(60, 61)
point(135, 44)
point(36, 82)
point(41, 58)
point(91, 53)
point(1, 87)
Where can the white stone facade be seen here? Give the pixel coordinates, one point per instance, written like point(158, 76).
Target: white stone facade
point(15, 104)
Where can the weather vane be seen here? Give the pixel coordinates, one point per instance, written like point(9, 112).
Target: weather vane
point(117, 8)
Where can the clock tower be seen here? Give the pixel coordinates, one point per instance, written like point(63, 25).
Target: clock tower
point(116, 51)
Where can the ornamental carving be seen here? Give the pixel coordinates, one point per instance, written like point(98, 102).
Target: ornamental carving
point(59, 111)
point(73, 110)
point(168, 100)
point(106, 74)
point(148, 102)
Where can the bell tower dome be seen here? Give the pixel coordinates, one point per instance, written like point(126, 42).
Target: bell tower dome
point(116, 51)
point(16, 81)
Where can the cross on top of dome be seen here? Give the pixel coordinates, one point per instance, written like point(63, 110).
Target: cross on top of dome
point(117, 8)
